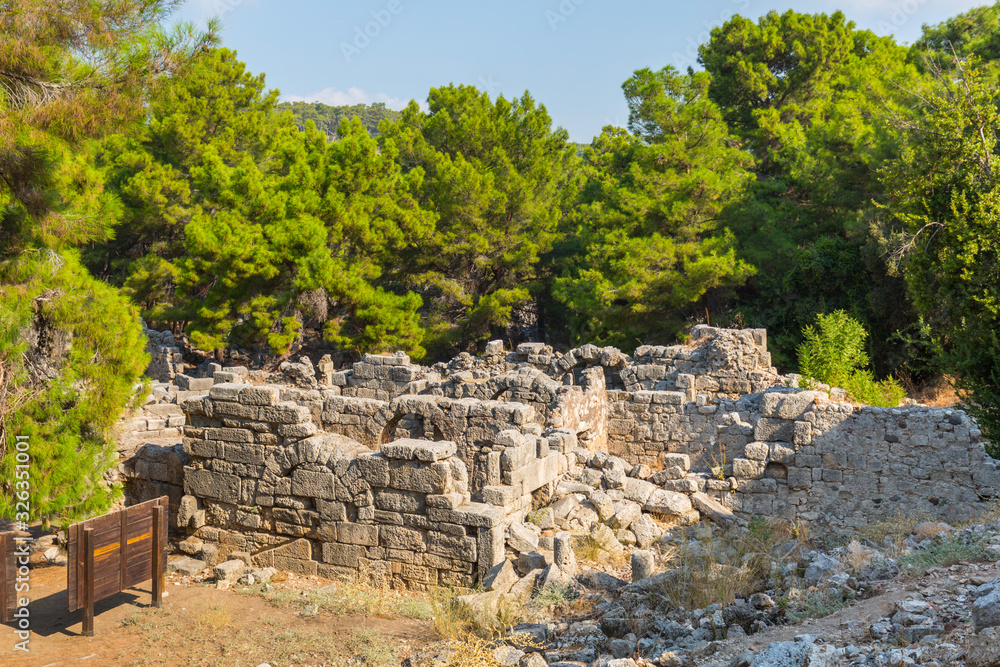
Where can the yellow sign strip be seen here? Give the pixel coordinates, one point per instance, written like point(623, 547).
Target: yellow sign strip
point(105, 550)
point(140, 538)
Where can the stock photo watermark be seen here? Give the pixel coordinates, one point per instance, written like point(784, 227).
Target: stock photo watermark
point(689, 57)
point(363, 35)
point(222, 7)
point(900, 15)
point(562, 13)
point(22, 587)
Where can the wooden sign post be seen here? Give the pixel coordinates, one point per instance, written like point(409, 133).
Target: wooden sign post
point(110, 553)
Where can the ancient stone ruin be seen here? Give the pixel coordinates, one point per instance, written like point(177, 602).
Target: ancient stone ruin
point(420, 476)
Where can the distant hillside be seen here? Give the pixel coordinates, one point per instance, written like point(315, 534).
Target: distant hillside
point(327, 118)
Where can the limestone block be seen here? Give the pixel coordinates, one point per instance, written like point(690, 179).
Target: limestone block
point(455, 547)
point(357, 533)
point(756, 451)
point(313, 484)
point(713, 509)
point(642, 565)
point(430, 452)
point(522, 537)
point(767, 429)
point(626, 512)
point(448, 501)
point(662, 501)
point(434, 478)
point(226, 391)
point(228, 434)
point(638, 490)
point(230, 571)
point(283, 413)
point(490, 544)
point(400, 501)
point(263, 395)
point(344, 555)
point(374, 469)
point(215, 486)
point(401, 537)
point(747, 469)
point(645, 530)
point(803, 433)
point(683, 461)
point(501, 496)
point(787, 405)
point(188, 567)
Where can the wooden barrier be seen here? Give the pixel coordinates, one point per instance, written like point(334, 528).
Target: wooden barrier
point(110, 553)
point(8, 578)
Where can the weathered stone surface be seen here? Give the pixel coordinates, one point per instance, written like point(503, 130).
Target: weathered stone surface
point(984, 649)
point(986, 610)
point(646, 531)
point(563, 555)
point(642, 565)
point(667, 502)
point(231, 570)
point(626, 512)
point(186, 566)
point(713, 509)
point(501, 577)
point(522, 537)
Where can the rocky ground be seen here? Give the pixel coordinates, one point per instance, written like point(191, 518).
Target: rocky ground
point(624, 575)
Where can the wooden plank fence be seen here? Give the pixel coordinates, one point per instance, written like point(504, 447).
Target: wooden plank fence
point(114, 552)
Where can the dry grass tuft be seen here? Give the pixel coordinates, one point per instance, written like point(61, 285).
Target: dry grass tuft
point(372, 647)
point(717, 567)
point(217, 618)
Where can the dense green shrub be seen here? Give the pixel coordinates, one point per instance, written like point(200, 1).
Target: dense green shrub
point(834, 353)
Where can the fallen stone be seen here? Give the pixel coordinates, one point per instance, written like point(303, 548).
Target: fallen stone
point(717, 513)
point(508, 656)
point(626, 512)
point(186, 566)
point(562, 553)
point(642, 565)
point(500, 577)
point(601, 581)
point(231, 570)
point(645, 530)
point(984, 649)
point(522, 537)
point(986, 610)
point(668, 502)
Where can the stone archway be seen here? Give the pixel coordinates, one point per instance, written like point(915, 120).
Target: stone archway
point(384, 422)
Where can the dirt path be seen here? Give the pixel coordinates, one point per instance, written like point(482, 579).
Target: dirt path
point(197, 625)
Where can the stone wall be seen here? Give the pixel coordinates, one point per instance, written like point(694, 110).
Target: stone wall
point(282, 471)
point(838, 465)
point(264, 480)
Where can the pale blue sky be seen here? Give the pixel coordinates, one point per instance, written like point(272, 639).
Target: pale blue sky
point(572, 55)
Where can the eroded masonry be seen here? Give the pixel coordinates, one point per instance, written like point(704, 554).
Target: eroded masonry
point(413, 475)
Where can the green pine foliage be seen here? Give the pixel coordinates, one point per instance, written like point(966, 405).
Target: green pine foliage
point(647, 217)
point(807, 95)
point(71, 347)
point(245, 228)
point(499, 178)
point(327, 118)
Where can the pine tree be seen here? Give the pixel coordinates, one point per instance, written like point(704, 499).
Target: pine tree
point(499, 177)
point(245, 228)
point(71, 349)
point(648, 214)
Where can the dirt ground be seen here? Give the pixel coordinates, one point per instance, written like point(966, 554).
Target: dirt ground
point(197, 625)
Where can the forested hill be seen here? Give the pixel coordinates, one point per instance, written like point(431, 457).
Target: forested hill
point(327, 118)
